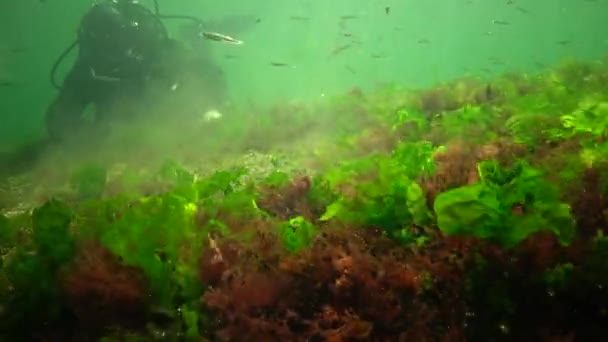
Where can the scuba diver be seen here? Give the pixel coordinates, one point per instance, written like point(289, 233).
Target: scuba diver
point(124, 50)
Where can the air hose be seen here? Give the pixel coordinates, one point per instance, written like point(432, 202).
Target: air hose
point(71, 47)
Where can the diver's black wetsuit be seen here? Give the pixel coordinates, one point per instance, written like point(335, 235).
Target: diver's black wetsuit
point(121, 44)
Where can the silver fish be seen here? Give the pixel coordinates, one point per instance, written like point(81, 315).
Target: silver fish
point(221, 37)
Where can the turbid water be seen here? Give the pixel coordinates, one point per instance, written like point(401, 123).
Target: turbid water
point(303, 170)
point(415, 44)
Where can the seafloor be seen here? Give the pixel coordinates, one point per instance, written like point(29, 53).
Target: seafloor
point(470, 211)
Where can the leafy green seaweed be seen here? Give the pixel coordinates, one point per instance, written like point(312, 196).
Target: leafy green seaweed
point(506, 206)
point(297, 233)
point(34, 272)
point(388, 198)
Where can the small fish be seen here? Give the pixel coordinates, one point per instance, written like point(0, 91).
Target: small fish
point(539, 65)
point(221, 38)
point(299, 18)
point(279, 64)
point(6, 83)
point(563, 42)
point(346, 34)
point(495, 59)
point(376, 56)
point(258, 20)
point(228, 56)
point(500, 22)
point(340, 49)
point(423, 41)
point(349, 17)
point(350, 69)
point(522, 10)
point(235, 24)
point(387, 10)
point(14, 50)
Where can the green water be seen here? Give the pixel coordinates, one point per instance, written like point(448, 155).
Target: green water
point(377, 171)
point(417, 44)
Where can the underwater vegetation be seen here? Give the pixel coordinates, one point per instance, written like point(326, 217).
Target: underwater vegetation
point(472, 211)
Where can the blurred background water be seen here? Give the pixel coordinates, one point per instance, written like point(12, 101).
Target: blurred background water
point(305, 49)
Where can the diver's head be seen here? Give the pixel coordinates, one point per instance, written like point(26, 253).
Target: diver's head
point(120, 34)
